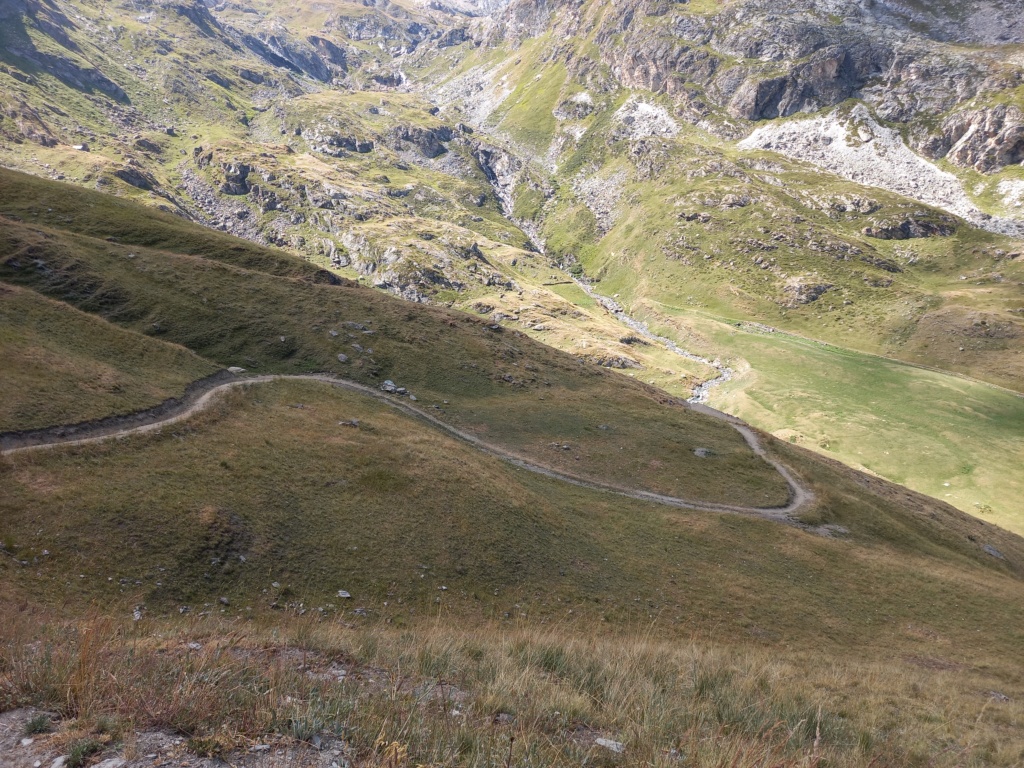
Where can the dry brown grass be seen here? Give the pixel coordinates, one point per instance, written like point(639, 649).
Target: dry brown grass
point(491, 695)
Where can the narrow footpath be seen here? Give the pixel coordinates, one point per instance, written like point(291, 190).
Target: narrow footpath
point(201, 397)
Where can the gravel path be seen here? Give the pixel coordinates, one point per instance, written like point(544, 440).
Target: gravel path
point(800, 495)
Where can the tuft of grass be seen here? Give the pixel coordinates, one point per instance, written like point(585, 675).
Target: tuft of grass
point(81, 751)
point(39, 724)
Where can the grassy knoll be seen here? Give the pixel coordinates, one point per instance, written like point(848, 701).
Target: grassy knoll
point(63, 366)
point(269, 488)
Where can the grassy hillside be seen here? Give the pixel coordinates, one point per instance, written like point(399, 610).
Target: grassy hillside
point(237, 310)
point(386, 185)
point(757, 638)
point(237, 529)
point(392, 510)
point(958, 440)
point(62, 366)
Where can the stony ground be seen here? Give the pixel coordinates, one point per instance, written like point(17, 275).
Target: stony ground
point(148, 749)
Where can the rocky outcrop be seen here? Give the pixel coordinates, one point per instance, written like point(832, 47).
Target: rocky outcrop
point(858, 148)
point(136, 177)
point(919, 225)
point(829, 76)
point(429, 142)
point(986, 140)
point(200, 15)
point(798, 292)
point(236, 179)
point(337, 144)
point(994, 22)
point(756, 59)
point(503, 169)
point(329, 52)
point(317, 59)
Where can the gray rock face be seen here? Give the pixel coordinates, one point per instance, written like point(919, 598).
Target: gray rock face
point(236, 177)
point(10, 9)
point(805, 293)
point(136, 177)
point(763, 59)
point(984, 139)
point(989, 23)
point(830, 75)
point(281, 52)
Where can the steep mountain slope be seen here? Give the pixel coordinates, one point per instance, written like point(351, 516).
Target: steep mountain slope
point(295, 533)
point(485, 156)
point(312, 536)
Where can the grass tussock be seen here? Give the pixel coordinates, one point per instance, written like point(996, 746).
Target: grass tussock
point(441, 696)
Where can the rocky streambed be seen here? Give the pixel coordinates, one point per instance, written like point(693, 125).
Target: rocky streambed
point(702, 392)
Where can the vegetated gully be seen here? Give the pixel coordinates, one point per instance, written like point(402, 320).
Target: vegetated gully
point(702, 392)
point(201, 398)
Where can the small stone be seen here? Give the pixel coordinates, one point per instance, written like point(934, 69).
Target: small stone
point(27, 742)
point(503, 718)
point(224, 601)
point(342, 593)
point(333, 333)
point(59, 762)
point(195, 646)
point(615, 746)
point(114, 762)
point(989, 549)
point(703, 453)
point(275, 585)
point(413, 398)
point(283, 339)
point(236, 370)
point(342, 358)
